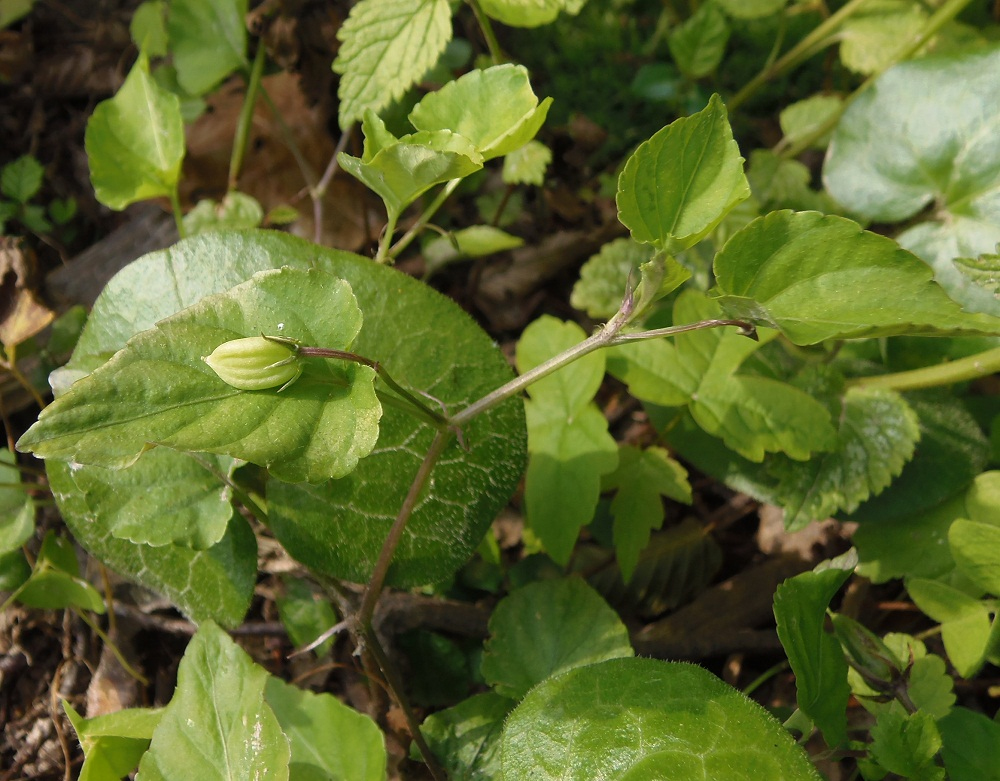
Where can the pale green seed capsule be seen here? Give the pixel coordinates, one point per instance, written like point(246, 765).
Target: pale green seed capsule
point(255, 363)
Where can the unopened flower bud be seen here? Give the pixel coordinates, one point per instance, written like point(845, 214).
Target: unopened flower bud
point(256, 363)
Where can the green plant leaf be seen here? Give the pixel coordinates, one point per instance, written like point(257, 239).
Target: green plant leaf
point(965, 622)
point(817, 277)
point(337, 528)
point(642, 477)
point(753, 415)
point(877, 435)
point(970, 741)
point(466, 737)
point(983, 271)
point(62, 210)
point(135, 141)
point(113, 743)
point(698, 43)
point(573, 386)
point(495, 109)
point(21, 179)
point(677, 186)
point(907, 743)
point(926, 134)
point(751, 9)
point(527, 164)
point(55, 581)
point(17, 510)
point(529, 13)
point(151, 391)
point(975, 546)
point(213, 584)
point(328, 739)
point(640, 719)
point(217, 724)
point(873, 38)
point(800, 605)
point(208, 39)
point(148, 28)
point(778, 183)
point(604, 277)
point(305, 615)
point(472, 242)
point(387, 45)
point(165, 498)
point(236, 211)
point(546, 628)
point(401, 170)
point(798, 120)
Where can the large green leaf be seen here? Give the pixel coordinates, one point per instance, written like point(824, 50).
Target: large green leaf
point(683, 181)
point(495, 109)
point(135, 141)
point(819, 277)
point(800, 605)
point(387, 46)
point(639, 719)
point(158, 390)
point(466, 737)
point(208, 39)
point(548, 627)
point(928, 133)
point(217, 725)
point(970, 745)
point(212, 584)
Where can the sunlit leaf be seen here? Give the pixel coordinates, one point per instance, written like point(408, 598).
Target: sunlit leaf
point(975, 546)
point(236, 211)
point(751, 9)
point(873, 37)
point(529, 13)
point(527, 165)
point(965, 622)
point(472, 242)
point(798, 120)
point(604, 277)
point(113, 743)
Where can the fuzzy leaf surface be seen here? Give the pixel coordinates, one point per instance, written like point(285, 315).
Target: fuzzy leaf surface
point(135, 141)
point(877, 435)
point(495, 109)
point(642, 477)
point(928, 132)
point(387, 46)
point(208, 39)
point(158, 390)
point(217, 725)
point(683, 181)
point(642, 718)
point(548, 627)
point(817, 277)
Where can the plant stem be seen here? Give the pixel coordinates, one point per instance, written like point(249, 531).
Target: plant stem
point(816, 40)
point(384, 255)
point(175, 206)
point(242, 136)
point(942, 16)
point(496, 53)
point(969, 368)
point(318, 193)
point(607, 336)
point(424, 218)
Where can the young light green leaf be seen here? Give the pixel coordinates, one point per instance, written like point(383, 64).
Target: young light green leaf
point(21, 179)
point(158, 390)
point(208, 39)
point(546, 628)
point(798, 120)
point(907, 744)
point(327, 738)
point(983, 271)
point(55, 581)
point(113, 743)
point(965, 622)
point(872, 38)
point(926, 134)
point(698, 43)
point(305, 615)
point(638, 719)
point(970, 740)
point(527, 165)
point(217, 724)
point(604, 277)
point(148, 28)
point(466, 737)
point(975, 546)
point(213, 584)
point(495, 109)
point(401, 172)
point(929, 683)
point(751, 9)
point(387, 46)
point(17, 510)
point(166, 498)
point(573, 386)
point(472, 242)
point(819, 277)
point(800, 605)
point(237, 211)
point(135, 141)
point(683, 181)
point(877, 435)
point(642, 477)
point(529, 13)
point(778, 183)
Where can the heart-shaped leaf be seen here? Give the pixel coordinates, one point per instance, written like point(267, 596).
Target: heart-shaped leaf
point(208, 40)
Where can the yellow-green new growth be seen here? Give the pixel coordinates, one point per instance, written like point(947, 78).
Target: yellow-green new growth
point(256, 362)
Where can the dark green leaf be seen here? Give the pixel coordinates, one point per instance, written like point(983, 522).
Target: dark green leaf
point(305, 615)
point(698, 43)
point(17, 510)
point(642, 719)
point(21, 179)
point(466, 738)
point(907, 744)
point(751, 9)
point(208, 39)
point(55, 581)
point(970, 746)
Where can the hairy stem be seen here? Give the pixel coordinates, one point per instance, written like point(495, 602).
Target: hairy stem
point(969, 368)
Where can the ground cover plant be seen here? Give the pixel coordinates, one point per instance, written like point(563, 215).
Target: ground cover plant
point(781, 302)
